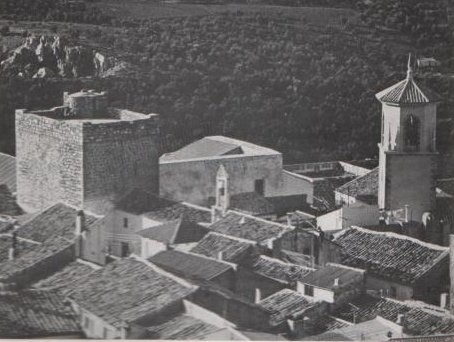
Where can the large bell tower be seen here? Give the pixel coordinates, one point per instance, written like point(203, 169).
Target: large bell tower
point(407, 150)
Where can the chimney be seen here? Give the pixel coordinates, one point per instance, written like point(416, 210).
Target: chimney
point(220, 255)
point(258, 295)
point(12, 249)
point(289, 219)
point(444, 300)
point(336, 282)
point(400, 319)
point(80, 218)
point(407, 213)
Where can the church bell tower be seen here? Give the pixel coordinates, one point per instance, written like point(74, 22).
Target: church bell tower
point(407, 150)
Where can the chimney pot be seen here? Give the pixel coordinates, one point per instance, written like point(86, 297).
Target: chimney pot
point(258, 295)
point(11, 253)
point(220, 255)
point(336, 282)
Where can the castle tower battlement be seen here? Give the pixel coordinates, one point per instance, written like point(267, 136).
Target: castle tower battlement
point(84, 153)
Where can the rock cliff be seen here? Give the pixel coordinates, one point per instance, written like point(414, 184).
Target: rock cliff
point(44, 56)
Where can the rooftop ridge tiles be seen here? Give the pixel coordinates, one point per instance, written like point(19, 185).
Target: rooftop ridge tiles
point(88, 263)
point(445, 250)
point(22, 239)
point(233, 238)
point(195, 206)
point(239, 213)
point(283, 262)
point(346, 267)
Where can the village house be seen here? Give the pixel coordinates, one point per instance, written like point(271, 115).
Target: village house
point(197, 267)
point(397, 266)
point(263, 276)
point(333, 283)
point(48, 242)
point(120, 299)
point(141, 219)
point(37, 314)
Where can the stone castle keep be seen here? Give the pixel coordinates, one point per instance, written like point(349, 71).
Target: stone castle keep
point(84, 153)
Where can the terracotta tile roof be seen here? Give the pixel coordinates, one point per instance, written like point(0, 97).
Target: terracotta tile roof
point(174, 232)
point(373, 330)
point(34, 258)
point(176, 210)
point(58, 220)
point(188, 265)
point(67, 278)
point(249, 227)
point(326, 323)
point(406, 92)
point(181, 327)
point(388, 255)
point(22, 247)
point(284, 304)
point(419, 321)
point(365, 186)
point(325, 276)
point(233, 249)
point(8, 171)
point(138, 202)
point(128, 289)
point(8, 204)
point(33, 314)
point(279, 270)
point(366, 307)
point(203, 148)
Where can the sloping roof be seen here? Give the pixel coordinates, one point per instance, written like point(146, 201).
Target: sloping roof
point(22, 247)
point(233, 249)
point(58, 220)
point(126, 290)
point(325, 276)
point(364, 186)
point(8, 171)
point(279, 270)
point(36, 256)
point(205, 147)
point(366, 307)
point(188, 265)
point(284, 304)
point(249, 227)
point(181, 327)
point(32, 314)
point(67, 278)
point(261, 336)
point(8, 204)
point(138, 202)
point(174, 232)
point(406, 92)
point(446, 185)
point(375, 330)
point(419, 321)
point(175, 211)
point(388, 255)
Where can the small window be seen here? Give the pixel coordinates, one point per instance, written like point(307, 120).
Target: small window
point(221, 191)
point(308, 290)
point(125, 222)
point(259, 186)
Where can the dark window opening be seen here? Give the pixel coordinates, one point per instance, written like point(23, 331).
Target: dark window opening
point(124, 249)
point(259, 186)
point(221, 191)
point(412, 132)
point(125, 223)
point(306, 251)
point(393, 292)
point(309, 290)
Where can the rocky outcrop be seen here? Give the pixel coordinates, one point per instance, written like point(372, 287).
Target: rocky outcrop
point(44, 56)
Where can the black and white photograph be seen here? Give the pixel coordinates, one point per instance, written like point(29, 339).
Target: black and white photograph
point(247, 170)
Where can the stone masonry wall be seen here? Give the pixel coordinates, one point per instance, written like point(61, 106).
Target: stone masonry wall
point(49, 161)
point(119, 156)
